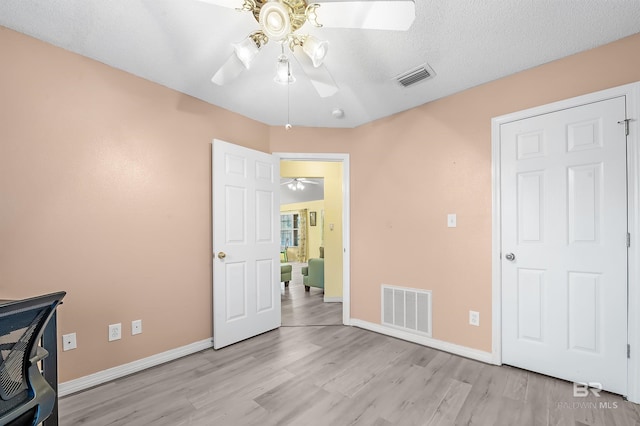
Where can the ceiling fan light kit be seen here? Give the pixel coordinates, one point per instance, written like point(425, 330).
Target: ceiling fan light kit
point(315, 49)
point(280, 19)
point(246, 51)
point(283, 71)
point(297, 184)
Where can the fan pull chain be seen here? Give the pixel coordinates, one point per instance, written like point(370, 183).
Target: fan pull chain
point(288, 125)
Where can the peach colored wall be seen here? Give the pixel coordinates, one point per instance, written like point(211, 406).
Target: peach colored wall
point(105, 193)
point(409, 170)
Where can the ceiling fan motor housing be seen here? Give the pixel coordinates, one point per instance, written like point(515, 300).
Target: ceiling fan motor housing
point(279, 18)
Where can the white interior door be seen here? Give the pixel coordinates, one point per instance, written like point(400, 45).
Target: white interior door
point(246, 243)
point(564, 244)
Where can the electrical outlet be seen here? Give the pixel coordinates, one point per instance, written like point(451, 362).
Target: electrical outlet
point(452, 220)
point(115, 332)
point(136, 327)
point(474, 318)
point(69, 342)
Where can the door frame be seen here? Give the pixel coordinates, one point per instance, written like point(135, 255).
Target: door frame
point(632, 93)
point(346, 214)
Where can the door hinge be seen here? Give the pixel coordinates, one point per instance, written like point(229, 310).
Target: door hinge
point(626, 125)
point(628, 351)
point(628, 239)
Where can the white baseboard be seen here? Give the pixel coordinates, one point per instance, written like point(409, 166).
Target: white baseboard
point(332, 299)
point(95, 379)
point(464, 351)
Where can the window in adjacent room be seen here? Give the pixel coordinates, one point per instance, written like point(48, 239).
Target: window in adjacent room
point(289, 229)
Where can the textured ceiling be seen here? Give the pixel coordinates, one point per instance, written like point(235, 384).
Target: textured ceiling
point(181, 43)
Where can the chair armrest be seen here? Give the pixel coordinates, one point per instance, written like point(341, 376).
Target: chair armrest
point(41, 353)
point(316, 272)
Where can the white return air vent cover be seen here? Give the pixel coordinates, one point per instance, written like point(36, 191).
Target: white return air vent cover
point(416, 75)
point(408, 309)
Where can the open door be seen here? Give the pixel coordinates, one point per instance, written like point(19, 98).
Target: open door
point(246, 243)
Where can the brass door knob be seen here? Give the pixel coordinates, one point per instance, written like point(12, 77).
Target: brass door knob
point(221, 255)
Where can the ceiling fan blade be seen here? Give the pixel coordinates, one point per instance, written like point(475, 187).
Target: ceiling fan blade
point(320, 76)
point(231, 4)
point(229, 71)
point(395, 15)
point(309, 181)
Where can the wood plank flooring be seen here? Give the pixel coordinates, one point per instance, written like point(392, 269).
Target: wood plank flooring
point(336, 375)
point(301, 307)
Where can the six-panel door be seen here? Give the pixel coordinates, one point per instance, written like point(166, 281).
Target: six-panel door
point(564, 219)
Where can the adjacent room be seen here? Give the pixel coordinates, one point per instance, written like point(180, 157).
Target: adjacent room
point(302, 248)
point(465, 254)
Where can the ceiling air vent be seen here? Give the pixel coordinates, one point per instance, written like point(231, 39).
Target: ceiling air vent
point(415, 75)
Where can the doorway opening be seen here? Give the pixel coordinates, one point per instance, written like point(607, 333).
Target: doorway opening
point(331, 218)
point(302, 207)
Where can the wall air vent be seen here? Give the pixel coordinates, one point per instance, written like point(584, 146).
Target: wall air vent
point(416, 75)
point(408, 309)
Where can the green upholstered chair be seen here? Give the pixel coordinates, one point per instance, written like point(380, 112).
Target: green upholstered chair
point(285, 274)
point(313, 274)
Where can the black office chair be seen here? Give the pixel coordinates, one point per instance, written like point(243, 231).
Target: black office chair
point(25, 396)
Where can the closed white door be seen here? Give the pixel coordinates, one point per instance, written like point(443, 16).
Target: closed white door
point(246, 243)
point(564, 244)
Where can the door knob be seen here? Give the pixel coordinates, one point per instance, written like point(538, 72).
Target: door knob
point(221, 255)
point(510, 256)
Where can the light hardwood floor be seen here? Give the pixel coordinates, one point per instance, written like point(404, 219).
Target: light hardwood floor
point(336, 375)
point(301, 307)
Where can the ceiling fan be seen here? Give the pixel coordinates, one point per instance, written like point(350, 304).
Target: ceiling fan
point(279, 21)
point(297, 184)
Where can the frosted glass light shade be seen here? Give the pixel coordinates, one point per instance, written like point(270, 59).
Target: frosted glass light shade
point(283, 71)
point(315, 49)
point(246, 51)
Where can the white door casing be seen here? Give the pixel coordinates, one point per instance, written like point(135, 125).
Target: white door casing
point(246, 243)
point(564, 218)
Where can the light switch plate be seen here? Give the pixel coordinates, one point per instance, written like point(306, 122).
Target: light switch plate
point(451, 220)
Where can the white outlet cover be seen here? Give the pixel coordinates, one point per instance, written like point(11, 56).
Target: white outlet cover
point(69, 341)
point(452, 220)
point(115, 332)
point(474, 318)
